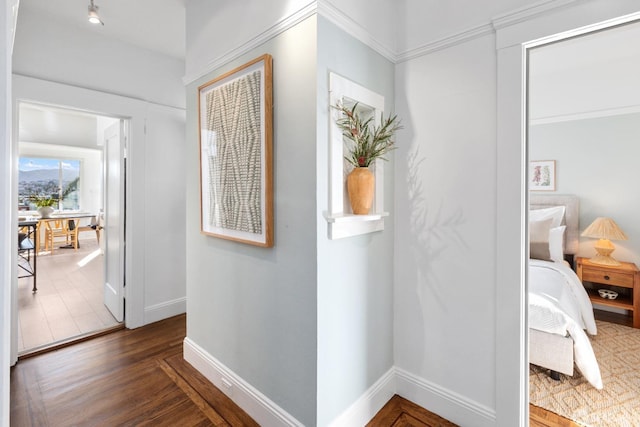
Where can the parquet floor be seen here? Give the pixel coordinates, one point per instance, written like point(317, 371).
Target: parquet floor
point(138, 377)
point(399, 412)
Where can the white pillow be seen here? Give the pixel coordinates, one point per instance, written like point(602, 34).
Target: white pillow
point(556, 213)
point(556, 243)
point(539, 232)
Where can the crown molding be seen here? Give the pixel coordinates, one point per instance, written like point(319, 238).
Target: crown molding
point(527, 12)
point(500, 21)
point(446, 42)
point(351, 27)
point(355, 30)
point(278, 28)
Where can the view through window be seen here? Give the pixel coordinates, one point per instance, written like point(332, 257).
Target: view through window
point(48, 178)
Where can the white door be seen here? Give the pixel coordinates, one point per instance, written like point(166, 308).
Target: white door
point(114, 214)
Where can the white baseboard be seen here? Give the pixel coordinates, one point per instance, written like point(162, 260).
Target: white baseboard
point(368, 405)
point(450, 405)
point(165, 310)
point(257, 405)
point(446, 403)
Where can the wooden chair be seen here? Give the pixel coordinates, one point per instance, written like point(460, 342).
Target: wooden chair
point(94, 225)
point(57, 229)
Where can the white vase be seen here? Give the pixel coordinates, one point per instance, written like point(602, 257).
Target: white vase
point(45, 211)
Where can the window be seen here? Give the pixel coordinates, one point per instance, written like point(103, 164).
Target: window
point(48, 177)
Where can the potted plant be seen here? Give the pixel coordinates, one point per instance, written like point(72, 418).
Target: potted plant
point(366, 143)
point(44, 204)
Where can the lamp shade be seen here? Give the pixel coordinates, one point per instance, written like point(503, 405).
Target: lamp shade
point(604, 228)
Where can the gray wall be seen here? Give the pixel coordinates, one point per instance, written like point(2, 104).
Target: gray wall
point(445, 246)
point(254, 309)
point(355, 275)
point(597, 160)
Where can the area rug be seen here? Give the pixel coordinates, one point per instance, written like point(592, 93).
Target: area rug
point(617, 349)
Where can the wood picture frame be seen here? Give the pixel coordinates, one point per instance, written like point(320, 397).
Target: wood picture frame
point(542, 175)
point(235, 112)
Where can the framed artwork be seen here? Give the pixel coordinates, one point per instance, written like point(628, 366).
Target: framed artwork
point(542, 175)
point(236, 148)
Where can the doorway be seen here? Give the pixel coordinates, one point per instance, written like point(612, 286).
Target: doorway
point(583, 115)
point(63, 155)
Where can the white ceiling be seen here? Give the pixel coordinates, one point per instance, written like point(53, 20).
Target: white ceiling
point(157, 25)
point(51, 125)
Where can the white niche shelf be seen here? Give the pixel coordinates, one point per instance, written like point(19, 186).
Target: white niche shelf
point(341, 222)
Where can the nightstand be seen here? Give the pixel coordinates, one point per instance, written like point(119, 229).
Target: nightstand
point(625, 277)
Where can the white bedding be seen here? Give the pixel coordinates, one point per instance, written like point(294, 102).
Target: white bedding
point(558, 304)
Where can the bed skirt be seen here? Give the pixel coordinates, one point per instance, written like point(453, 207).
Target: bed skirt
point(551, 351)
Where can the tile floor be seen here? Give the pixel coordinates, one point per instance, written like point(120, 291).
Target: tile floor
point(68, 302)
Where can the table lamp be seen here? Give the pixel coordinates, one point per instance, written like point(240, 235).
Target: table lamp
point(606, 230)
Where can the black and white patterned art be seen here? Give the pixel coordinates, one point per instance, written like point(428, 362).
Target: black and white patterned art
point(235, 151)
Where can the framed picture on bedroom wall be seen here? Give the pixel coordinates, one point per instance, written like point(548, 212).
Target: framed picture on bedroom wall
point(236, 173)
point(542, 175)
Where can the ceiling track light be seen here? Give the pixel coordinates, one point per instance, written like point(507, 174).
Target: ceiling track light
point(93, 14)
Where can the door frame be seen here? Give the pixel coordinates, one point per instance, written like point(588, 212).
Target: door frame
point(512, 44)
point(99, 141)
point(113, 297)
point(27, 89)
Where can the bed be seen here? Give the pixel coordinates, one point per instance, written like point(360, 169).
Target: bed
point(559, 308)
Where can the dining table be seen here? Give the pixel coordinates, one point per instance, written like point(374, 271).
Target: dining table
point(72, 220)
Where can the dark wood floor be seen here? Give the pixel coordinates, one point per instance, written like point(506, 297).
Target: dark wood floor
point(130, 377)
point(138, 377)
point(399, 412)
point(607, 316)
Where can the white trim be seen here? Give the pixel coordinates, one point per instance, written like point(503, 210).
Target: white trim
point(164, 310)
point(591, 28)
point(349, 26)
point(270, 33)
point(340, 89)
point(500, 21)
point(258, 406)
point(527, 12)
point(511, 361)
point(446, 42)
point(8, 223)
point(451, 405)
point(13, 6)
point(439, 400)
point(511, 321)
point(323, 8)
point(355, 30)
point(608, 112)
point(29, 89)
point(368, 405)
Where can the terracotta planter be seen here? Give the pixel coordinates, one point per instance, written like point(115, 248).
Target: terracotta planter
point(360, 187)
